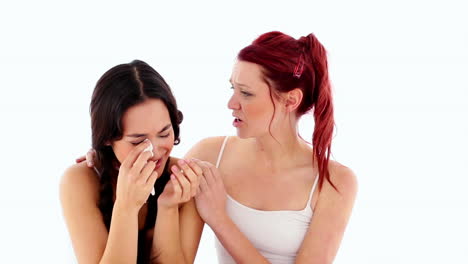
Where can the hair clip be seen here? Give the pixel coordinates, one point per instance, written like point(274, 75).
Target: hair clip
point(299, 67)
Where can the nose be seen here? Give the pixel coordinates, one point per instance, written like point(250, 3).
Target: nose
point(158, 150)
point(233, 103)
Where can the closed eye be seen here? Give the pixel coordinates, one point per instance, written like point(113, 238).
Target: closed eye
point(246, 93)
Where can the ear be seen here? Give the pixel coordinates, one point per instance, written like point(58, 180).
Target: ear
point(293, 99)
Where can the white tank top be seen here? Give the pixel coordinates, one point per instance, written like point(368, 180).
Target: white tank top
point(277, 235)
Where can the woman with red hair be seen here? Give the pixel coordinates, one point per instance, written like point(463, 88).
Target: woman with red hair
point(272, 197)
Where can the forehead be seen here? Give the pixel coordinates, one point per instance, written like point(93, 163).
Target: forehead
point(247, 73)
point(148, 116)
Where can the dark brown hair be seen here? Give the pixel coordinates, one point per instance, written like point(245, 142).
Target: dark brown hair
point(120, 88)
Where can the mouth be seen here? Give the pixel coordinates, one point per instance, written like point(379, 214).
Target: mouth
point(158, 163)
point(237, 122)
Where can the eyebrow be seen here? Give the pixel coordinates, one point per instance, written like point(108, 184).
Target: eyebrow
point(239, 84)
point(142, 135)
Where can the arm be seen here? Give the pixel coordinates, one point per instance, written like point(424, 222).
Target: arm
point(234, 241)
point(176, 248)
point(178, 228)
point(331, 216)
point(79, 193)
point(211, 203)
point(123, 236)
point(166, 242)
point(191, 227)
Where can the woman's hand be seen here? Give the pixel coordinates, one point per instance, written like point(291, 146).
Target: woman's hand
point(136, 178)
point(182, 186)
point(211, 197)
point(89, 158)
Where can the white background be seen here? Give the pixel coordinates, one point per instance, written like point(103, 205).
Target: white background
point(399, 72)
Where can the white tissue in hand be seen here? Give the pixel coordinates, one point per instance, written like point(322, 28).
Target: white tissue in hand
point(149, 148)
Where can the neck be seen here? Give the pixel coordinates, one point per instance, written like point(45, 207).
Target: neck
point(281, 149)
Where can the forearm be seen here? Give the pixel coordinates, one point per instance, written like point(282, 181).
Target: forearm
point(166, 239)
point(235, 242)
point(122, 241)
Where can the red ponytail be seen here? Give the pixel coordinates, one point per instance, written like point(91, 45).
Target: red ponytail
point(289, 63)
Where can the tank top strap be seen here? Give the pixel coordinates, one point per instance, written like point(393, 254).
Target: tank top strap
point(221, 151)
point(314, 186)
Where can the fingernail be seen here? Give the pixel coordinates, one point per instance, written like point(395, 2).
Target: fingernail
point(90, 163)
point(181, 162)
point(174, 168)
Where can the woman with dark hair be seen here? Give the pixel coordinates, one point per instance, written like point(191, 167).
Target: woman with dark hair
point(110, 214)
point(272, 197)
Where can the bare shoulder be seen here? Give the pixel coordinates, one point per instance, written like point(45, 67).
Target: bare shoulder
point(79, 181)
point(206, 149)
point(79, 195)
point(343, 178)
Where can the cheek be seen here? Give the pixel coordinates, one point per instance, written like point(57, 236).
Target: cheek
point(168, 143)
point(258, 111)
point(121, 151)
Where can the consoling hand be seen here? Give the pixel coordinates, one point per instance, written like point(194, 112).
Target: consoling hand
point(182, 186)
point(89, 158)
point(211, 196)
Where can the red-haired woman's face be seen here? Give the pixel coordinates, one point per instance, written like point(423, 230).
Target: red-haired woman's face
point(148, 120)
point(251, 102)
